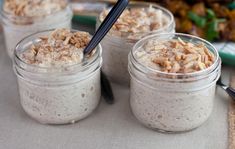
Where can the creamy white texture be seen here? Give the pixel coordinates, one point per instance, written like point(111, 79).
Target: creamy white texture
point(134, 22)
point(61, 48)
point(60, 104)
point(127, 31)
point(169, 110)
point(115, 57)
point(56, 85)
point(169, 98)
point(175, 56)
point(15, 29)
point(33, 8)
point(14, 34)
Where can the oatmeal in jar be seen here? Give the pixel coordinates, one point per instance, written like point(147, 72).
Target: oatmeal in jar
point(40, 8)
point(57, 83)
point(24, 17)
point(175, 56)
point(61, 47)
point(137, 21)
point(173, 80)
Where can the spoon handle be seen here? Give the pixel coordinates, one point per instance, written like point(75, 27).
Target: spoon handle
point(106, 89)
point(106, 25)
point(231, 92)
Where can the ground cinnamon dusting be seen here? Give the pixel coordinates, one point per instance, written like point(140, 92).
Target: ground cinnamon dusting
point(61, 47)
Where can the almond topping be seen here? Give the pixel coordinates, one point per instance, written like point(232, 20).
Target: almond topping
point(61, 47)
point(178, 56)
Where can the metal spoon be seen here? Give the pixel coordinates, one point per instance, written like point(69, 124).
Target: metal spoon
point(228, 89)
point(107, 24)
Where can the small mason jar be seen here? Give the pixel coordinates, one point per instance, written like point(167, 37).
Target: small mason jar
point(172, 102)
point(17, 27)
point(57, 95)
point(116, 49)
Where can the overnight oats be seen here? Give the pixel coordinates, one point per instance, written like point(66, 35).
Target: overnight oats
point(137, 21)
point(57, 83)
point(173, 81)
point(23, 17)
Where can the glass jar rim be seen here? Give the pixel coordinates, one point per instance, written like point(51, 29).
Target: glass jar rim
point(144, 5)
point(11, 17)
point(79, 66)
point(211, 68)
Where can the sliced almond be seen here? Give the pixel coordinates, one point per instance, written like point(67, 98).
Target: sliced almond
point(201, 65)
point(177, 56)
point(175, 67)
point(66, 42)
point(181, 41)
point(167, 65)
point(160, 60)
point(190, 50)
point(190, 58)
point(189, 65)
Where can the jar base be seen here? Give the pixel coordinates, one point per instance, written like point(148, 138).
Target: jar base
point(167, 131)
point(62, 122)
point(172, 132)
point(58, 123)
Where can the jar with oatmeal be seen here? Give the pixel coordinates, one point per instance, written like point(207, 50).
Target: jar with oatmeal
point(136, 21)
point(24, 17)
point(57, 83)
point(173, 81)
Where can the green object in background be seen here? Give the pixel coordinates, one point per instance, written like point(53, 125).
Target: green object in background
point(227, 58)
point(231, 5)
point(89, 20)
point(212, 32)
point(209, 23)
point(226, 52)
point(210, 14)
point(86, 12)
point(198, 20)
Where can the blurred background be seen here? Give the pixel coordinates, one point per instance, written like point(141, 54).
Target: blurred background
point(210, 19)
point(213, 20)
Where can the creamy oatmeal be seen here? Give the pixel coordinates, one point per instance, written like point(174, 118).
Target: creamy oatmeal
point(175, 56)
point(173, 81)
point(33, 8)
point(134, 21)
point(133, 24)
point(61, 47)
point(23, 17)
point(57, 83)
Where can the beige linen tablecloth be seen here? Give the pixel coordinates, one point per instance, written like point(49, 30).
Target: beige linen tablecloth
point(109, 127)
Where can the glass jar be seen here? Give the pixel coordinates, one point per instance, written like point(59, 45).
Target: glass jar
point(116, 49)
point(58, 95)
point(172, 102)
point(17, 27)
